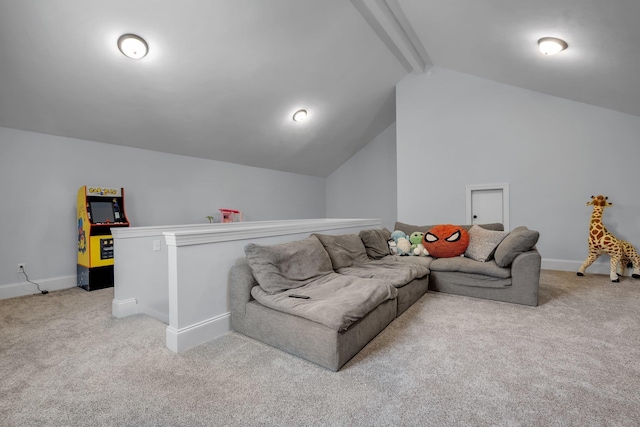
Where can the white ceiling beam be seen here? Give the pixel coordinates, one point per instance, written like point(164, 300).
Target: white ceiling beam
point(389, 22)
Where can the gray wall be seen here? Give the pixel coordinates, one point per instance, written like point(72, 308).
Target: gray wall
point(40, 176)
point(365, 185)
point(452, 130)
point(458, 130)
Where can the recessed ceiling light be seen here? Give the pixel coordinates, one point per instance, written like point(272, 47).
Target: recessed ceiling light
point(300, 115)
point(551, 45)
point(132, 46)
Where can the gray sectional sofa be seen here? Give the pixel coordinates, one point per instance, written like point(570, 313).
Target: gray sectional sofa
point(325, 297)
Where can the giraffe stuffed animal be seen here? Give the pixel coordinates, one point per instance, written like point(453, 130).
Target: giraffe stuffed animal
point(602, 242)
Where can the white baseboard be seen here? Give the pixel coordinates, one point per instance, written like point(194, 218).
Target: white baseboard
point(20, 289)
point(124, 308)
point(193, 335)
point(598, 267)
point(158, 315)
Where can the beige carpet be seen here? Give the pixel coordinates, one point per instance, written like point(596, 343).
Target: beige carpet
point(447, 361)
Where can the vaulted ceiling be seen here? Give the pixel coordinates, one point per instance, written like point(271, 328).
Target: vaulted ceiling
point(223, 77)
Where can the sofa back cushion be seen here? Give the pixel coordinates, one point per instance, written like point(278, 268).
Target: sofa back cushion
point(344, 250)
point(376, 242)
point(410, 228)
point(483, 243)
point(520, 240)
point(288, 265)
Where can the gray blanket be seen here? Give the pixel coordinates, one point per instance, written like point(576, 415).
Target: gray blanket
point(289, 265)
point(335, 300)
point(399, 271)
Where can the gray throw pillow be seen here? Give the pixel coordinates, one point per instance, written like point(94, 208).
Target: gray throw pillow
point(287, 265)
point(410, 228)
point(494, 226)
point(344, 250)
point(376, 242)
point(483, 243)
point(520, 240)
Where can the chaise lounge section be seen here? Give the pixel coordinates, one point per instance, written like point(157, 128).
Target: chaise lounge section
point(265, 311)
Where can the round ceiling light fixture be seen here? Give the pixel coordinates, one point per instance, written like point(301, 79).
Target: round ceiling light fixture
point(300, 115)
point(133, 46)
point(551, 45)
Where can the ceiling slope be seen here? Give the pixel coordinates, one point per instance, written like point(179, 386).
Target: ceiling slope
point(223, 77)
point(497, 40)
point(221, 80)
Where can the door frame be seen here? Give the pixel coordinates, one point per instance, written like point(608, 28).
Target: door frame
point(504, 187)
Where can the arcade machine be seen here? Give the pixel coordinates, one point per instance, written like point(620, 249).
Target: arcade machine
point(99, 210)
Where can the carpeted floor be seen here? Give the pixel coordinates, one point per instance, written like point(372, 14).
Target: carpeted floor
point(448, 361)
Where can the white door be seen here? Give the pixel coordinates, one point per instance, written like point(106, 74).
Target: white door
point(487, 204)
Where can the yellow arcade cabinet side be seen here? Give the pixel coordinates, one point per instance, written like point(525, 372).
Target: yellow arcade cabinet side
point(99, 210)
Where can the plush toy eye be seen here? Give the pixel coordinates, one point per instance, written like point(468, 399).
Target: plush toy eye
point(454, 237)
point(430, 237)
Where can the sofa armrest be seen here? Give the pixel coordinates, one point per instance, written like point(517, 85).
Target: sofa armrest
point(525, 276)
point(241, 281)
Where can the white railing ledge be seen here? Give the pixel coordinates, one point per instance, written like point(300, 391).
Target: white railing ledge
point(257, 229)
point(157, 230)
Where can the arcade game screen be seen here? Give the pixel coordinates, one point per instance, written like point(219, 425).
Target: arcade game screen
point(101, 212)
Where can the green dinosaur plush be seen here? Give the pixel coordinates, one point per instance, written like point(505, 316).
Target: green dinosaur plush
point(417, 248)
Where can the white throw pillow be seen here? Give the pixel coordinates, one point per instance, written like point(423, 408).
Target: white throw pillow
point(483, 243)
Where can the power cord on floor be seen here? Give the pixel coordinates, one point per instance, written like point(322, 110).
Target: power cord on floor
point(23, 271)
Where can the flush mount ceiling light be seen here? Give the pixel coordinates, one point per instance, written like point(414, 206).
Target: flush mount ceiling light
point(132, 46)
point(300, 115)
point(551, 45)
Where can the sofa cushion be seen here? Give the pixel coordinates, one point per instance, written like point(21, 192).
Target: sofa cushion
point(335, 300)
point(288, 265)
point(520, 240)
point(397, 270)
point(376, 242)
point(467, 265)
point(483, 243)
point(410, 228)
point(343, 249)
point(421, 262)
point(448, 281)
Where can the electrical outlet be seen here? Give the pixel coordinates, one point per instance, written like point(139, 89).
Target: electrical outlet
point(21, 267)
